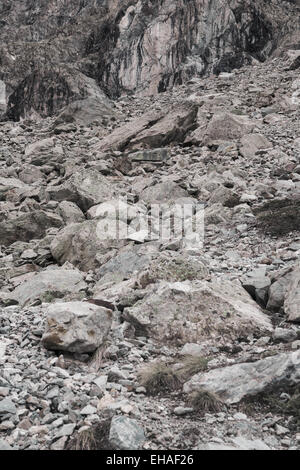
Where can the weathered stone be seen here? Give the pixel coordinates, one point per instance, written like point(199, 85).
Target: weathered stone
point(48, 285)
point(190, 311)
point(292, 297)
point(86, 188)
point(234, 383)
point(252, 143)
point(77, 327)
point(28, 226)
point(82, 244)
point(257, 284)
point(126, 434)
point(284, 335)
point(279, 216)
point(226, 126)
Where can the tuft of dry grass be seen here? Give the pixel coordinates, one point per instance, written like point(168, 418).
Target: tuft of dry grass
point(158, 377)
point(94, 438)
point(191, 365)
point(205, 402)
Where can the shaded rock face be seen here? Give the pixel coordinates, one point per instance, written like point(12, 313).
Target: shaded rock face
point(132, 45)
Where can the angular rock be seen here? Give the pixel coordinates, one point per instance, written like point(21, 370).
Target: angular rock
point(162, 193)
point(126, 434)
point(157, 155)
point(292, 297)
point(47, 286)
point(76, 327)
point(85, 188)
point(234, 383)
point(279, 216)
point(257, 284)
point(25, 227)
point(4, 445)
point(284, 335)
point(191, 311)
point(152, 130)
point(227, 127)
point(252, 143)
point(82, 244)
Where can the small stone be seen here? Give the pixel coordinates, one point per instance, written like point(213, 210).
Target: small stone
point(7, 407)
point(181, 411)
point(4, 445)
point(88, 410)
point(280, 430)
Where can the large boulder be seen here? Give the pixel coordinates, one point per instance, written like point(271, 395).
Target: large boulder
point(154, 129)
point(82, 244)
point(163, 192)
point(191, 311)
point(27, 226)
point(85, 188)
point(48, 285)
point(257, 284)
point(76, 327)
point(227, 127)
point(234, 383)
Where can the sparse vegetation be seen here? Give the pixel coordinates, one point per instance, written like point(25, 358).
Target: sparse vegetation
point(158, 377)
point(94, 438)
point(205, 402)
point(191, 365)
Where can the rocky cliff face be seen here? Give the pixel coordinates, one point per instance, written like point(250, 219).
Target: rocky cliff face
point(128, 46)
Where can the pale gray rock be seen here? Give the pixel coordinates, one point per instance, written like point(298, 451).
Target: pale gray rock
point(252, 143)
point(277, 291)
point(4, 445)
point(163, 193)
point(82, 244)
point(48, 285)
point(70, 212)
point(126, 434)
point(257, 283)
point(85, 188)
point(7, 407)
point(292, 297)
point(234, 383)
point(188, 311)
point(284, 335)
point(227, 127)
point(77, 327)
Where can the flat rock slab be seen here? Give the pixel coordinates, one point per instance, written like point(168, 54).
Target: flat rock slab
point(234, 383)
point(48, 285)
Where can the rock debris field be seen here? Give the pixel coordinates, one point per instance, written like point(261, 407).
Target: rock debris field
point(144, 342)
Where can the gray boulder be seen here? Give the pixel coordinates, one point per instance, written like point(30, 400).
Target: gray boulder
point(181, 312)
point(83, 244)
point(234, 383)
point(76, 327)
point(85, 188)
point(48, 285)
point(28, 226)
point(257, 284)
